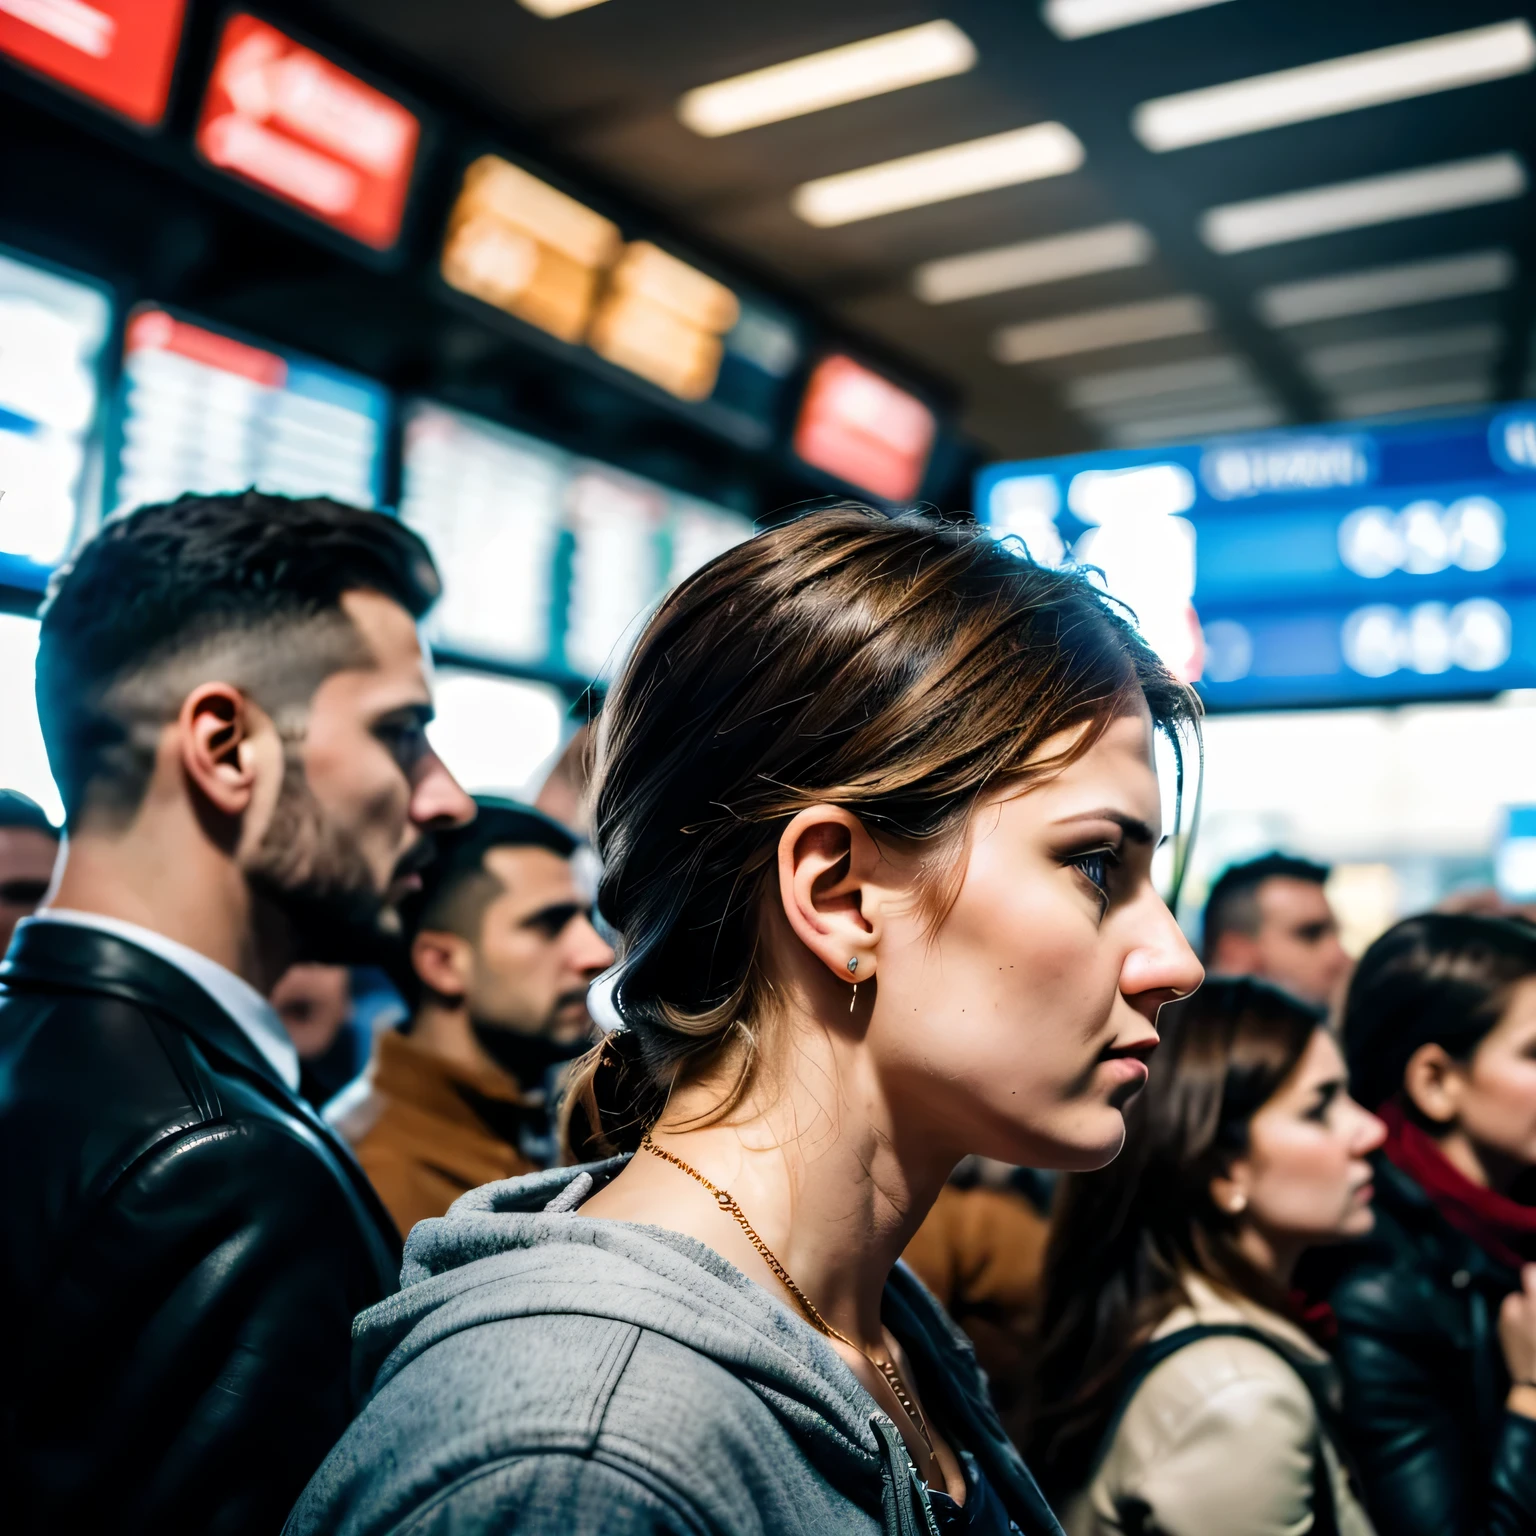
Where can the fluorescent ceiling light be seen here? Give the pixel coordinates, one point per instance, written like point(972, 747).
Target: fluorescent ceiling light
point(1357, 204)
point(1069, 19)
point(1174, 429)
point(1095, 329)
point(820, 80)
point(1417, 397)
point(1377, 288)
point(1102, 391)
point(552, 8)
point(1031, 262)
point(936, 175)
point(1393, 351)
point(1336, 85)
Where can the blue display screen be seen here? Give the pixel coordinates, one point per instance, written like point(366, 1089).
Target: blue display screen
point(1316, 566)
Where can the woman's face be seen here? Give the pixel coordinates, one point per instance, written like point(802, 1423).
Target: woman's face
point(1496, 1094)
point(1021, 1026)
point(1305, 1178)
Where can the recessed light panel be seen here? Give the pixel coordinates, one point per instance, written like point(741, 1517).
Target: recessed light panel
point(1378, 288)
point(1359, 204)
point(1336, 85)
point(1031, 262)
point(1384, 352)
point(1413, 397)
point(937, 175)
point(1096, 329)
point(1070, 19)
point(853, 72)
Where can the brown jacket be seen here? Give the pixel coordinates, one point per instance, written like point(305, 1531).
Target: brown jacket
point(427, 1130)
point(981, 1251)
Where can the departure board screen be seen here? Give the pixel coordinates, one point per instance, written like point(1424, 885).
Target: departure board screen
point(204, 411)
point(550, 561)
point(488, 502)
point(119, 53)
point(1334, 564)
point(290, 121)
point(52, 331)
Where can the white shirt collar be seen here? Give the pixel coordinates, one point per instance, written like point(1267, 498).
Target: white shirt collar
point(257, 1018)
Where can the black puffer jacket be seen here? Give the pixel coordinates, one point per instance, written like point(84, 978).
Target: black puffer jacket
point(183, 1245)
point(1424, 1376)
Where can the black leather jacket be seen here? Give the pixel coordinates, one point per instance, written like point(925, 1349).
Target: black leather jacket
point(184, 1247)
point(1424, 1376)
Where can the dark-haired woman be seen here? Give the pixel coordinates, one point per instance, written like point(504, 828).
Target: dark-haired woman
point(877, 807)
point(1437, 1312)
point(1178, 1391)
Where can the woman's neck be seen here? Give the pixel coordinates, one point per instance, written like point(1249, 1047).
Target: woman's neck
point(1479, 1165)
point(812, 1158)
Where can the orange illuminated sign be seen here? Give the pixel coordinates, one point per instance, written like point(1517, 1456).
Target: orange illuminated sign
point(284, 119)
point(516, 242)
point(863, 429)
point(120, 53)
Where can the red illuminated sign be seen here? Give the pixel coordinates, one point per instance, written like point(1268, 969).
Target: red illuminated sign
point(280, 116)
point(152, 330)
point(861, 428)
point(120, 53)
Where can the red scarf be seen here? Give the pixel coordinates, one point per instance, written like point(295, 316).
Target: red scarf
point(1503, 1228)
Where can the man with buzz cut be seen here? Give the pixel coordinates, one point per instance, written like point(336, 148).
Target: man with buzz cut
point(234, 700)
point(502, 951)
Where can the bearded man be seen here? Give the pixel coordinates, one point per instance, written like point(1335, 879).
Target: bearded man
point(234, 700)
point(502, 952)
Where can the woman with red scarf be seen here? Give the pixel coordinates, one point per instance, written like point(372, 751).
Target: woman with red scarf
point(1436, 1311)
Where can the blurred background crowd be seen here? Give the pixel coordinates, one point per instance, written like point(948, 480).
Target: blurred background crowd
point(1229, 300)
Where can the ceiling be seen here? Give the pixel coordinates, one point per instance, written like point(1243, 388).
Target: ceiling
point(601, 87)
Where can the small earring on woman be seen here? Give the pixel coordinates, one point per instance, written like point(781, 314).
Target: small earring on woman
point(853, 966)
point(1237, 1205)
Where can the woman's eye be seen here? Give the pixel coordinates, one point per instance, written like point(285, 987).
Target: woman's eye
point(1095, 867)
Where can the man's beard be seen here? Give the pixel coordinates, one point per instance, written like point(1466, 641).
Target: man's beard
point(529, 1057)
point(317, 877)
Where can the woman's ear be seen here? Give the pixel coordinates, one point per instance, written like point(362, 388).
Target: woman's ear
point(828, 864)
point(1229, 1190)
point(1433, 1082)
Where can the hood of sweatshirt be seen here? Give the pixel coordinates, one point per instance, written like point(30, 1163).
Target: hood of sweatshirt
point(518, 1249)
point(501, 1252)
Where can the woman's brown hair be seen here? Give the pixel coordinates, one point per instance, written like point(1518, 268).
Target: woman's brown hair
point(898, 666)
point(1123, 1237)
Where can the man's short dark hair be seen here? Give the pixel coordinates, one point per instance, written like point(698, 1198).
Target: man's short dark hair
point(243, 588)
point(23, 813)
point(1233, 904)
point(456, 886)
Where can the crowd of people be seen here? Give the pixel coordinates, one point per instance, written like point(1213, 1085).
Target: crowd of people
point(920, 1177)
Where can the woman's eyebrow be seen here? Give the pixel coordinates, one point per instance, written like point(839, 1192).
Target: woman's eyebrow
point(1133, 827)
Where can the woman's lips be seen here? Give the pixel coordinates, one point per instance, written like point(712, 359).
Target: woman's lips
point(1125, 1069)
point(1365, 1193)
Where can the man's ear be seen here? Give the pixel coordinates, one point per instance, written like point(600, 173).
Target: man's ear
point(1235, 954)
point(1433, 1082)
point(828, 864)
point(442, 961)
point(224, 742)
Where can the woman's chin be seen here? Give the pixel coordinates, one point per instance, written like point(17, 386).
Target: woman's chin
point(1098, 1143)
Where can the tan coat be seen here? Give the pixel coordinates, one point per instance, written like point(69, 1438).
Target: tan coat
point(1218, 1440)
point(981, 1252)
point(416, 1130)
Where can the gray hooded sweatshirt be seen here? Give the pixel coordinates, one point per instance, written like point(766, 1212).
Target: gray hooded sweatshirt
point(541, 1373)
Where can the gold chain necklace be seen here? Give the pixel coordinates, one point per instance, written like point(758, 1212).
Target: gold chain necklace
point(727, 1203)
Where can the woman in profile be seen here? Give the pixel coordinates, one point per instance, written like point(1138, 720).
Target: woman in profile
point(1179, 1392)
point(877, 806)
point(1437, 1312)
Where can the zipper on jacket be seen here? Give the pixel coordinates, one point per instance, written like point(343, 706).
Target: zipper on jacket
point(897, 1468)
